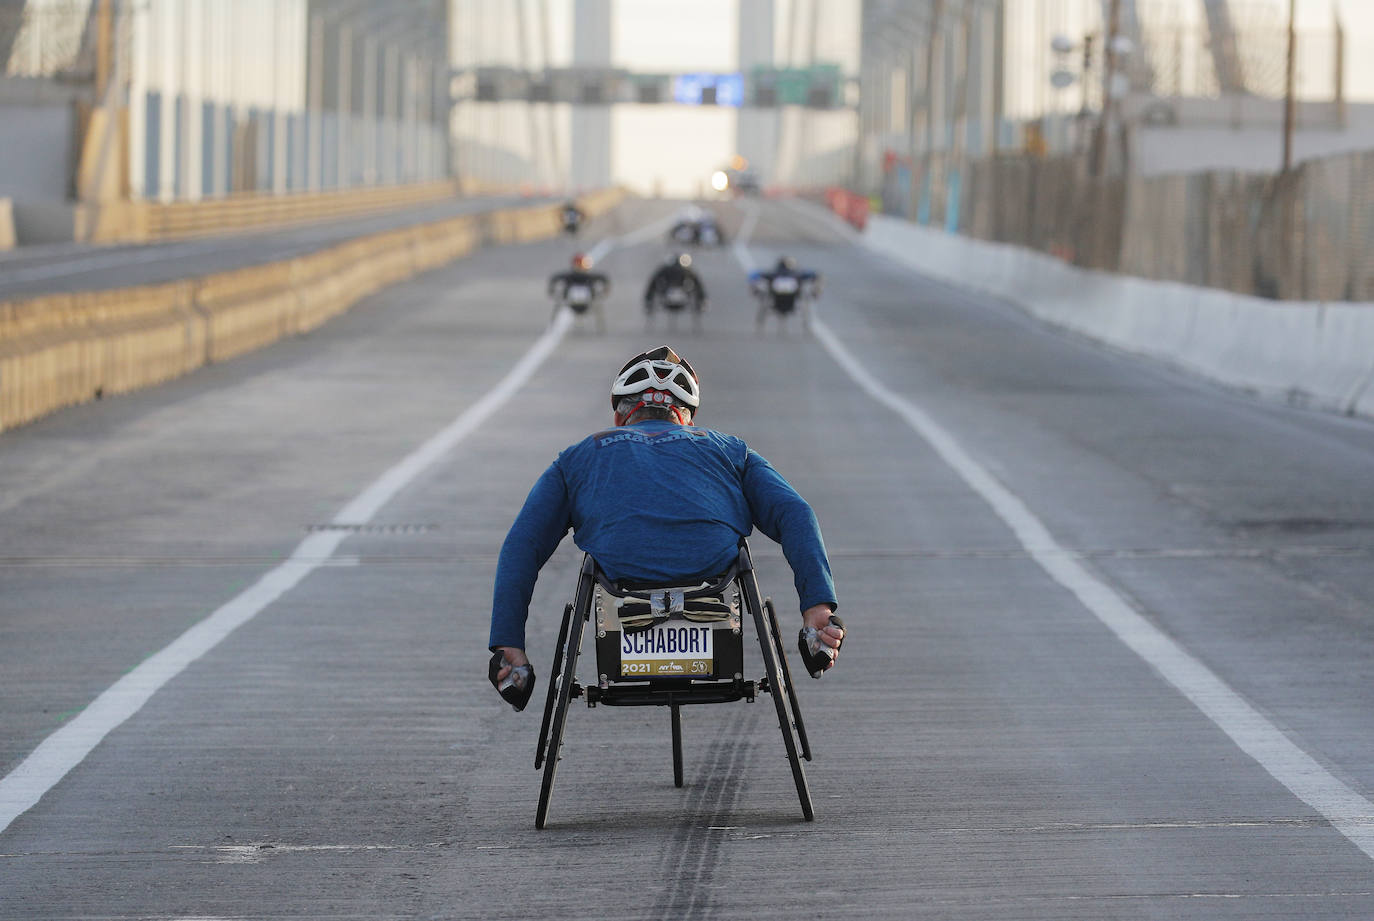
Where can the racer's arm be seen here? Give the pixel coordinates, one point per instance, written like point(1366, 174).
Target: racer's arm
point(555, 281)
point(655, 281)
point(783, 515)
point(602, 284)
point(701, 289)
point(543, 520)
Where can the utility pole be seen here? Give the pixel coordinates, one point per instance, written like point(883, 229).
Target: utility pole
point(1108, 73)
point(314, 124)
point(1289, 106)
point(999, 75)
point(104, 47)
point(935, 96)
point(1340, 72)
point(935, 70)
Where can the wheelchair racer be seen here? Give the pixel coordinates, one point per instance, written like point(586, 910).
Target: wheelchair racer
point(675, 287)
point(572, 217)
point(784, 288)
point(580, 289)
point(657, 499)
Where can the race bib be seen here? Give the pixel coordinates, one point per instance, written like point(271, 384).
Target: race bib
point(785, 284)
point(673, 649)
point(579, 294)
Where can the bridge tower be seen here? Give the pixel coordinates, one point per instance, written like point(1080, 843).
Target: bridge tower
point(590, 153)
point(756, 132)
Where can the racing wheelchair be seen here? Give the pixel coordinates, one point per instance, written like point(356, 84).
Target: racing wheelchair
point(581, 298)
point(669, 646)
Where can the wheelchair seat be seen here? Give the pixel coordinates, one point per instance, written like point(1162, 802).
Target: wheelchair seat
point(669, 646)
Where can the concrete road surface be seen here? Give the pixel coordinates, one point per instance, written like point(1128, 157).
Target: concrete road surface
point(1112, 629)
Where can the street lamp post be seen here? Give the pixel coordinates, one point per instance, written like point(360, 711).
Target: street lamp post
point(1066, 76)
point(1289, 105)
point(1108, 75)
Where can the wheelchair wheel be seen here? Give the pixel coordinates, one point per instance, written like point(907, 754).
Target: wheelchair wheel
point(562, 696)
point(776, 631)
point(779, 688)
point(677, 745)
point(553, 686)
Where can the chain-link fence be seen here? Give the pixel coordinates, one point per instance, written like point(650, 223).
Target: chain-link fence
point(1305, 235)
point(1182, 56)
point(46, 40)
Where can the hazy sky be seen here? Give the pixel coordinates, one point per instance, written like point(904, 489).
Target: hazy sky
point(1358, 18)
point(673, 35)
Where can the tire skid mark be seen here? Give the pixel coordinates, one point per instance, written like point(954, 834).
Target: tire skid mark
point(690, 860)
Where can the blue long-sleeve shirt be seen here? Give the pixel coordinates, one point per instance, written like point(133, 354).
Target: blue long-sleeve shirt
point(656, 502)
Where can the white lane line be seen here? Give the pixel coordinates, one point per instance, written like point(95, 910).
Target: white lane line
point(23, 787)
point(746, 230)
point(647, 232)
point(1348, 812)
point(603, 247)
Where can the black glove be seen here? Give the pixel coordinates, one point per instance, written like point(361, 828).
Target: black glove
point(817, 656)
point(517, 686)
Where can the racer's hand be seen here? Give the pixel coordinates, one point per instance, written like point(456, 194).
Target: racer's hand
point(512, 676)
point(830, 634)
point(514, 657)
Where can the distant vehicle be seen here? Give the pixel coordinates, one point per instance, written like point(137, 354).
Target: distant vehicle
point(745, 183)
point(696, 227)
point(737, 179)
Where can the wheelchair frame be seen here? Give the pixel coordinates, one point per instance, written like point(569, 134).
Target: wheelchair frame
point(671, 691)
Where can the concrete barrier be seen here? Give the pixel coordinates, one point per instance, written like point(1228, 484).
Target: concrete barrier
point(1317, 354)
point(142, 221)
point(62, 349)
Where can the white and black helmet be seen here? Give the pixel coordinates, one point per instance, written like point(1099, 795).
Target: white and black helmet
point(658, 376)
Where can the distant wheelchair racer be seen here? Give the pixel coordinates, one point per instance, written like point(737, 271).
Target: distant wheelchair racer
point(785, 289)
point(675, 288)
point(572, 218)
point(696, 227)
point(580, 290)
